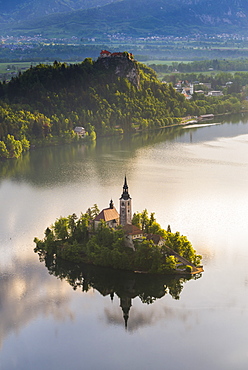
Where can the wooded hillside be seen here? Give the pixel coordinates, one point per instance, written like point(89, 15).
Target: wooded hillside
point(105, 97)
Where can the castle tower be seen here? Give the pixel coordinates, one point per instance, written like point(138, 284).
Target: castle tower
point(125, 206)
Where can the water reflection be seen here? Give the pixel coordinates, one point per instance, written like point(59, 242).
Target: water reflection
point(26, 293)
point(125, 285)
point(53, 165)
point(69, 163)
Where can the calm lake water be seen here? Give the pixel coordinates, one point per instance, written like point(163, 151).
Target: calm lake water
point(73, 317)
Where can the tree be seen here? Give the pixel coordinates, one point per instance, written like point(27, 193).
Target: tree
point(93, 211)
point(72, 223)
point(170, 263)
point(144, 220)
point(61, 228)
point(25, 144)
point(13, 146)
point(136, 220)
point(3, 150)
point(49, 237)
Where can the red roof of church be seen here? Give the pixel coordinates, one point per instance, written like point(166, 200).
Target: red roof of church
point(132, 230)
point(107, 214)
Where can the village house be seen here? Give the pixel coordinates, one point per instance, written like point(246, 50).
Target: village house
point(157, 239)
point(132, 233)
point(188, 91)
point(215, 93)
point(80, 131)
point(185, 88)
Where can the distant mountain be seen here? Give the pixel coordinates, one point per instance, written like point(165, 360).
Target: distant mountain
point(20, 10)
point(138, 17)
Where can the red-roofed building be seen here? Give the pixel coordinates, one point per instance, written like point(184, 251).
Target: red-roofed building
point(105, 53)
point(157, 239)
point(108, 215)
point(117, 54)
point(132, 233)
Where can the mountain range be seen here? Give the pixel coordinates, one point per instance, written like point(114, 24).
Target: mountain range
point(136, 18)
point(20, 10)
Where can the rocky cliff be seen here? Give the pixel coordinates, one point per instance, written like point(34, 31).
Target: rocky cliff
point(121, 64)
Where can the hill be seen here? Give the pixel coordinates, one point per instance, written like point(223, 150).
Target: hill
point(142, 18)
point(112, 95)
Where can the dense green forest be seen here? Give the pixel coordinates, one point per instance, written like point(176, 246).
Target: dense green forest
point(45, 103)
point(74, 239)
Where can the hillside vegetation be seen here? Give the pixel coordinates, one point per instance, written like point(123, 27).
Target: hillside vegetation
point(108, 96)
point(47, 101)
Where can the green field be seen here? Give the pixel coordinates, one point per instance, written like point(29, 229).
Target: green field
point(10, 67)
point(167, 62)
point(9, 70)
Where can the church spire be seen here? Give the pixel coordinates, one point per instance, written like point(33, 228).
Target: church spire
point(125, 304)
point(125, 183)
point(125, 194)
point(125, 205)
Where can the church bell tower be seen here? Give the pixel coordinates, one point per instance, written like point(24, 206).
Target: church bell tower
point(125, 206)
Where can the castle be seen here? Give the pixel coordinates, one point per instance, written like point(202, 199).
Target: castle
point(108, 54)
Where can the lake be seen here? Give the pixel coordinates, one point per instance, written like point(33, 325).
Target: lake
point(79, 317)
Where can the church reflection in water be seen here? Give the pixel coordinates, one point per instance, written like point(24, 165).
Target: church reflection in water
point(125, 285)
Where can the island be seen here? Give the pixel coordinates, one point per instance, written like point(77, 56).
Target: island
point(120, 240)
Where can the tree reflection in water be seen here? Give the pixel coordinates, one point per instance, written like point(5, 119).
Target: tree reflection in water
point(126, 285)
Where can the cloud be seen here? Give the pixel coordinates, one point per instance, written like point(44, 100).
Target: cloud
point(26, 292)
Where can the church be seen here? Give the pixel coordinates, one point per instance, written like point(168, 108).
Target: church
point(113, 219)
point(111, 216)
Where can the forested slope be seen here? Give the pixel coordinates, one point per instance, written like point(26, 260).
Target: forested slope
point(49, 101)
point(107, 96)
